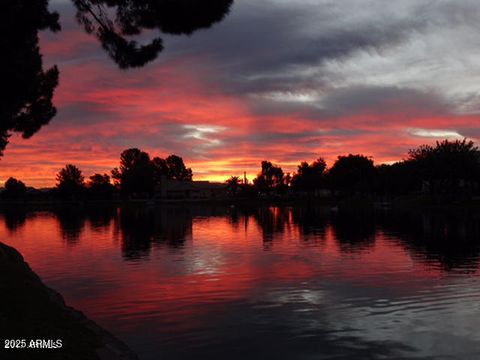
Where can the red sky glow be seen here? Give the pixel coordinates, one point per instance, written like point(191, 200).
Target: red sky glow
point(225, 101)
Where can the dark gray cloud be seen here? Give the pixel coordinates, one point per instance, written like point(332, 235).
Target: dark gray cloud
point(323, 48)
point(266, 47)
point(379, 105)
point(85, 112)
point(310, 47)
point(471, 133)
point(383, 100)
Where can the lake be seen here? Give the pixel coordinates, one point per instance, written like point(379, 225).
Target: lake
point(199, 282)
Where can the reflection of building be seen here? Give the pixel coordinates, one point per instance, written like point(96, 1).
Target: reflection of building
point(172, 189)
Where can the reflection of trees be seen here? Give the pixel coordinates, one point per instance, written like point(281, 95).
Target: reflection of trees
point(140, 228)
point(71, 223)
point(354, 231)
point(275, 221)
point(272, 221)
point(100, 217)
point(27, 89)
point(14, 219)
point(452, 239)
point(72, 220)
point(112, 21)
point(311, 220)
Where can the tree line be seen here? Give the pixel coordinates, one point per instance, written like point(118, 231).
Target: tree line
point(136, 174)
point(449, 167)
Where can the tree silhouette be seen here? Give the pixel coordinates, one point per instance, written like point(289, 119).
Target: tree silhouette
point(270, 178)
point(132, 17)
point(135, 174)
point(27, 89)
point(160, 169)
point(100, 187)
point(26, 103)
point(172, 168)
point(138, 174)
point(397, 178)
point(446, 164)
point(14, 189)
point(177, 169)
point(70, 181)
point(233, 184)
point(309, 176)
point(352, 173)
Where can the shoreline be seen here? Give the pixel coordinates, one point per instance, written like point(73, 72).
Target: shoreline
point(32, 311)
point(347, 202)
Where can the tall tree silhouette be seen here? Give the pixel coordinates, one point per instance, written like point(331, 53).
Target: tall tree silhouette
point(233, 185)
point(270, 178)
point(446, 164)
point(352, 173)
point(160, 169)
point(99, 186)
point(70, 181)
point(177, 169)
point(131, 17)
point(397, 178)
point(27, 89)
point(172, 168)
point(309, 176)
point(135, 174)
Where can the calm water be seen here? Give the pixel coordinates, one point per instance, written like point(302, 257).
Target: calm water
point(270, 283)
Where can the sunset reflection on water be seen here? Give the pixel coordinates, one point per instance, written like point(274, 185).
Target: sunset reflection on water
point(186, 282)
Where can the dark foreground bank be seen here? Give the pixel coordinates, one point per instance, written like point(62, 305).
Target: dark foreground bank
point(32, 312)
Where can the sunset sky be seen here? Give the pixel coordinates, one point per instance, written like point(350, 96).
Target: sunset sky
point(286, 81)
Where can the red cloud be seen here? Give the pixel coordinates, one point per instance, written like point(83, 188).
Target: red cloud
point(168, 107)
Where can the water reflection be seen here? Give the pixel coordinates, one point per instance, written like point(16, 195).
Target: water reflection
point(311, 220)
point(71, 223)
point(354, 231)
point(100, 217)
point(449, 239)
point(141, 228)
point(293, 282)
point(15, 219)
point(272, 221)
